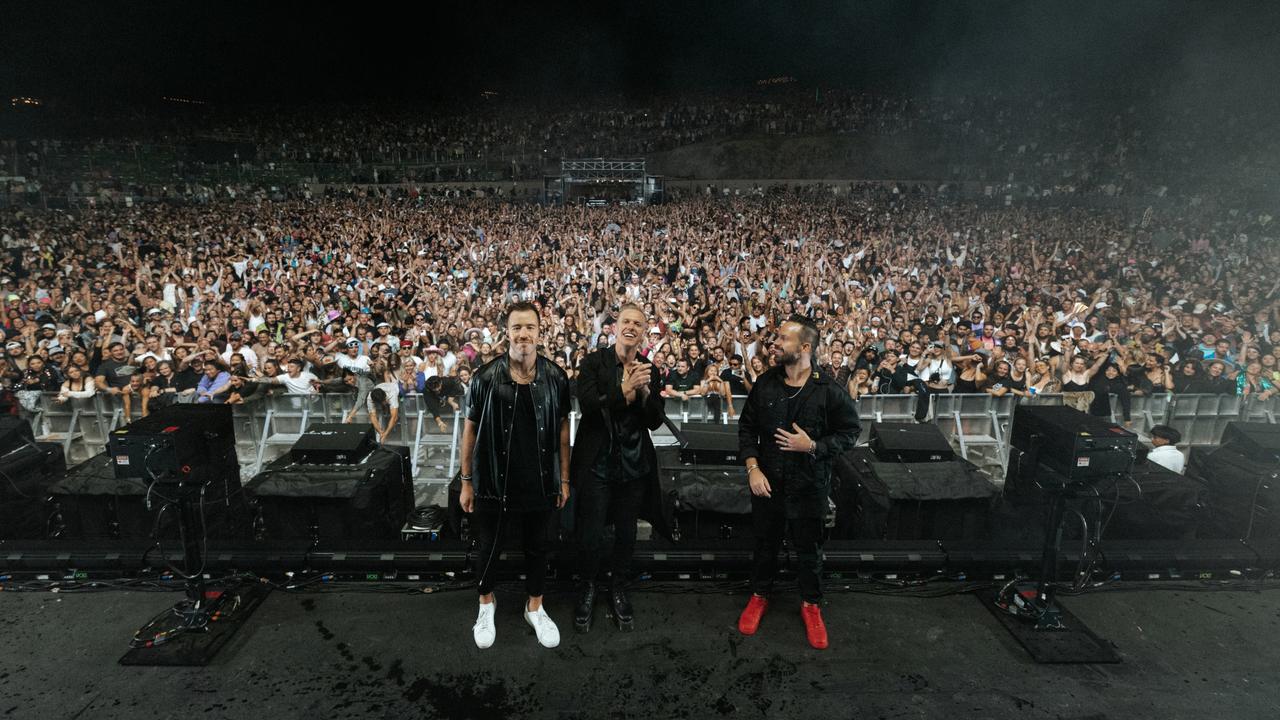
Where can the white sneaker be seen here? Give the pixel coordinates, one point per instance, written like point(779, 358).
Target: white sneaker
point(546, 630)
point(484, 630)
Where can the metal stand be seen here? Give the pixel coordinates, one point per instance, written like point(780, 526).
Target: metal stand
point(196, 627)
point(1031, 612)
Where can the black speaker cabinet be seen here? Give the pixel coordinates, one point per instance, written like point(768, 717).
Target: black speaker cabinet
point(710, 444)
point(366, 501)
point(92, 502)
point(15, 433)
point(948, 500)
point(334, 444)
point(1257, 440)
point(909, 442)
point(1076, 445)
point(27, 474)
point(1242, 495)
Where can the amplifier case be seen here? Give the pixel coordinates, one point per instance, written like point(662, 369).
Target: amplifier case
point(1076, 445)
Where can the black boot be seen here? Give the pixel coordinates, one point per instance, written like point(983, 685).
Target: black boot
point(583, 610)
point(621, 606)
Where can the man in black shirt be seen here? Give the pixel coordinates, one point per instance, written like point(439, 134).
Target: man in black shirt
point(114, 375)
point(516, 442)
point(682, 382)
point(896, 377)
point(795, 424)
point(614, 462)
point(736, 376)
point(191, 369)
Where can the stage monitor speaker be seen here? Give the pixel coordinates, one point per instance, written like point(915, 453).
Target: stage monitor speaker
point(710, 444)
point(1077, 446)
point(92, 502)
point(1153, 503)
point(948, 500)
point(365, 501)
point(909, 442)
point(334, 444)
point(27, 474)
point(1150, 503)
point(1241, 494)
point(15, 433)
point(1257, 440)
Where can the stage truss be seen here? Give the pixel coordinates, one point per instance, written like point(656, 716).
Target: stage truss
point(601, 181)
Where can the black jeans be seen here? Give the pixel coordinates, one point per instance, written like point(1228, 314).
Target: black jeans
point(494, 528)
point(770, 523)
point(923, 393)
point(599, 497)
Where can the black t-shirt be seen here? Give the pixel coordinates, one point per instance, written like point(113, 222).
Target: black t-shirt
point(681, 382)
point(111, 371)
point(736, 385)
point(186, 379)
point(524, 489)
point(160, 382)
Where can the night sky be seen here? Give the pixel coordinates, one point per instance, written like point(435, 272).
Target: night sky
point(80, 52)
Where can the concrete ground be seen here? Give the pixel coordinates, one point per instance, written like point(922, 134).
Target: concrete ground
point(339, 654)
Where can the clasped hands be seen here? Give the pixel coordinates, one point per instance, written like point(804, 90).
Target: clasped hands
point(635, 378)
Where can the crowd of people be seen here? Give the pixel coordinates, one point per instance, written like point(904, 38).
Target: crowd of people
point(914, 292)
point(1050, 140)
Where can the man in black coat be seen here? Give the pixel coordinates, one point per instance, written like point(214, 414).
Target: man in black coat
point(614, 468)
point(796, 422)
point(514, 463)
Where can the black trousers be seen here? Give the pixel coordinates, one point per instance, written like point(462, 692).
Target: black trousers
point(602, 497)
point(770, 523)
point(923, 393)
point(493, 528)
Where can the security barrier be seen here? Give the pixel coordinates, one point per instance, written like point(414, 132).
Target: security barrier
point(978, 423)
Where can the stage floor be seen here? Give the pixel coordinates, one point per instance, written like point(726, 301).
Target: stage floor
point(1186, 654)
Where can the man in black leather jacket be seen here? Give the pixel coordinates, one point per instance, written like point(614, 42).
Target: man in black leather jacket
point(515, 464)
point(796, 422)
point(614, 464)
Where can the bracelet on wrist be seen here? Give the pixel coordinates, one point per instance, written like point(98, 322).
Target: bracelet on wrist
point(465, 478)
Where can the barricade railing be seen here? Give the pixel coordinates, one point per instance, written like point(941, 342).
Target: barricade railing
point(975, 421)
point(887, 408)
point(57, 421)
point(969, 422)
point(705, 408)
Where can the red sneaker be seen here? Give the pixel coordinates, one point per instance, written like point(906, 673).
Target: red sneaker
point(749, 621)
point(813, 625)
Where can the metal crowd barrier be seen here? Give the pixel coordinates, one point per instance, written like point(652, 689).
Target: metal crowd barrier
point(975, 424)
point(81, 426)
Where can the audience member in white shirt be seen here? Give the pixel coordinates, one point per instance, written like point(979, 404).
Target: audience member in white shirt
point(1163, 440)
